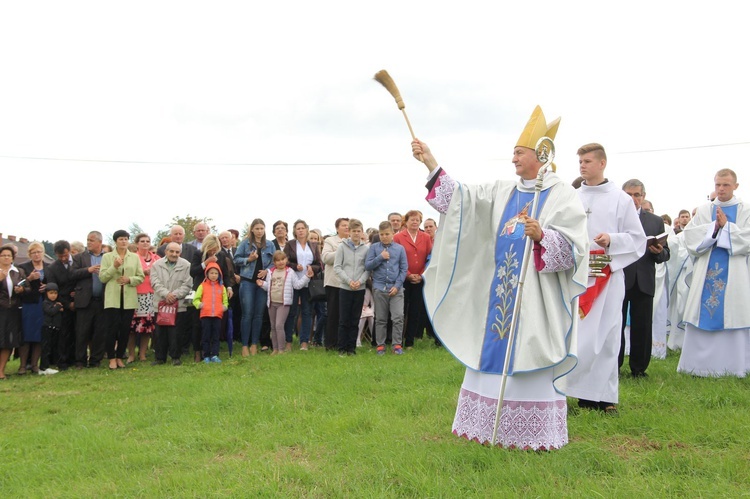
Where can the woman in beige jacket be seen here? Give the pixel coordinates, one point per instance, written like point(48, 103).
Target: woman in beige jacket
point(121, 273)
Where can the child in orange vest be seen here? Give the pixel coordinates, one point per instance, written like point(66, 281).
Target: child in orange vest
point(211, 299)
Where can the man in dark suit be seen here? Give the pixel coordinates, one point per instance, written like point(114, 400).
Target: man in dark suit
point(59, 273)
point(640, 283)
point(177, 235)
point(227, 246)
point(89, 302)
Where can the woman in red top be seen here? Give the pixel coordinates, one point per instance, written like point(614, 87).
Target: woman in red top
point(418, 246)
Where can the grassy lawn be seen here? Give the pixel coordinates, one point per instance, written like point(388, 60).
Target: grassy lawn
point(311, 424)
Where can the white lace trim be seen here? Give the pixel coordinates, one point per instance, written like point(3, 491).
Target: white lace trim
point(523, 425)
point(558, 255)
point(443, 193)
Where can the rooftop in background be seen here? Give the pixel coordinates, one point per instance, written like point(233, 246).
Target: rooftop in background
point(22, 255)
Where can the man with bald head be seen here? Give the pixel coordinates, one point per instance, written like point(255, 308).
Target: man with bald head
point(187, 251)
point(177, 235)
point(171, 280)
point(225, 239)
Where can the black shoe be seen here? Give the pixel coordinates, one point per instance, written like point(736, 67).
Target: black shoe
point(94, 365)
point(157, 363)
point(587, 404)
point(639, 374)
point(176, 362)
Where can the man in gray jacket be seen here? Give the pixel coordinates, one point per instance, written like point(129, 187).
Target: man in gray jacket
point(170, 278)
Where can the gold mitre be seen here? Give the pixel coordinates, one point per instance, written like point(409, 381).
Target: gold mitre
point(536, 128)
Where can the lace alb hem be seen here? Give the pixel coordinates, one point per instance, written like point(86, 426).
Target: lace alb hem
point(523, 425)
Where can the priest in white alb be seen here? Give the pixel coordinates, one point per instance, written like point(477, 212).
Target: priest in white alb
point(471, 286)
point(680, 271)
point(717, 315)
point(616, 240)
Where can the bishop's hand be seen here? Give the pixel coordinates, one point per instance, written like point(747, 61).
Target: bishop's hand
point(422, 153)
point(532, 228)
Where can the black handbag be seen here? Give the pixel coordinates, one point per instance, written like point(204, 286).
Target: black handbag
point(317, 288)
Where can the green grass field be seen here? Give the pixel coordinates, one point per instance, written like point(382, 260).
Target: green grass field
point(311, 424)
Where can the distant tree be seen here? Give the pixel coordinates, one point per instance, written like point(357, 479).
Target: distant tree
point(49, 248)
point(134, 229)
point(188, 222)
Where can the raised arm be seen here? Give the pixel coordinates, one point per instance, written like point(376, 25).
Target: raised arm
point(420, 150)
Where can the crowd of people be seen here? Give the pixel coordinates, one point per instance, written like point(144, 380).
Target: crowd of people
point(117, 303)
point(607, 278)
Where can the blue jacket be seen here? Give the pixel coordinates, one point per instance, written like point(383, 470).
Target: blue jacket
point(243, 252)
point(387, 273)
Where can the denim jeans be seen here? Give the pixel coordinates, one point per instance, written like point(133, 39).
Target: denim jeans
point(321, 317)
point(301, 300)
point(253, 302)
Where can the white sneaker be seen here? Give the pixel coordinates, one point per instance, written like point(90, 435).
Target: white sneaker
point(49, 371)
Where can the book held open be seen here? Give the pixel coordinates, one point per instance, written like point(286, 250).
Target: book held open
point(654, 240)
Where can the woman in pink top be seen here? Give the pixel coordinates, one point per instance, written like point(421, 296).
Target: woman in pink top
point(143, 323)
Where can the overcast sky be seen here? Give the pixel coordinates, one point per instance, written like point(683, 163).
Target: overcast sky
point(114, 113)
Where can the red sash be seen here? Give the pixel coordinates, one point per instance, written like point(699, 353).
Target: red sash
point(586, 300)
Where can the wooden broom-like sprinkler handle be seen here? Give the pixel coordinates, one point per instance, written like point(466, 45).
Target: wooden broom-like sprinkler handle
point(385, 79)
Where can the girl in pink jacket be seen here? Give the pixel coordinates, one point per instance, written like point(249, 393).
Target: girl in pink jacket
point(280, 283)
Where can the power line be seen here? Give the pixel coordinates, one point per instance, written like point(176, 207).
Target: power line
point(686, 148)
point(193, 163)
